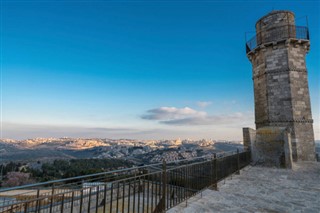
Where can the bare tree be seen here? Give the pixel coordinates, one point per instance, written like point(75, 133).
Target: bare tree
point(17, 179)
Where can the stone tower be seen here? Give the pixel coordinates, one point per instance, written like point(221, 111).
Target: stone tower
point(281, 93)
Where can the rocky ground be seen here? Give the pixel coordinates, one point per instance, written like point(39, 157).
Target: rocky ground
point(261, 189)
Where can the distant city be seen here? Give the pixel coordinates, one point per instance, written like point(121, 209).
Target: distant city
point(135, 151)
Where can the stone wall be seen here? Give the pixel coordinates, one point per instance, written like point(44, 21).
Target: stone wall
point(272, 147)
point(249, 135)
point(276, 25)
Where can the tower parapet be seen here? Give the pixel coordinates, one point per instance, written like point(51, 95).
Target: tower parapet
point(274, 27)
point(277, 53)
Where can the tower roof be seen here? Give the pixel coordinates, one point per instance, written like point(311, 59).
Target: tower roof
point(275, 12)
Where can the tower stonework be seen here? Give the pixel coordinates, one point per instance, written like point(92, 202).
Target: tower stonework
point(281, 93)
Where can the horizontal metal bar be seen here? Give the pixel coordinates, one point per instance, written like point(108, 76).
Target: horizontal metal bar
point(72, 178)
point(289, 31)
point(193, 183)
point(98, 174)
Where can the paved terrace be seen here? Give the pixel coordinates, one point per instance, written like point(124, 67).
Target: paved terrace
point(261, 189)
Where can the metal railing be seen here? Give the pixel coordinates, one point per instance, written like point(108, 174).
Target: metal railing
point(277, 34)
point(151, 188)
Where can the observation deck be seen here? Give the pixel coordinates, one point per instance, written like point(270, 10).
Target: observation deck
point(277, 34)
point(262, 189)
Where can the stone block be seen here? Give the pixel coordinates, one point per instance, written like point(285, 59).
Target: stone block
point(249, 136)
point(272, 147)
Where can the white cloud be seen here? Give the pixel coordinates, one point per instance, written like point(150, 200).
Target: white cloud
point(190, 117)
point(204, 104)
point(210, 120)
point(172, 113)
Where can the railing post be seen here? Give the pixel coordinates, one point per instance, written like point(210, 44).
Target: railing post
point(215, 173)
point(97, 198)
point(212, 171)
point(81, 201)
point(111, 198)
point(52, 198)
point(238, 162)
point(72, 200)
point(62, 204)
point(164, 185)
point(104, 197)
point(187, 184)
point(89, 201)
point(26, 207)
point(38, 200)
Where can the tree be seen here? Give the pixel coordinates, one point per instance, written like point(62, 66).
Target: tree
point(17, 179)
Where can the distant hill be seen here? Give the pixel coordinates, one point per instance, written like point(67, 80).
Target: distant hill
point(48, 149)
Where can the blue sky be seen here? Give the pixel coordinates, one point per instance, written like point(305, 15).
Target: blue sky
point(135, 69)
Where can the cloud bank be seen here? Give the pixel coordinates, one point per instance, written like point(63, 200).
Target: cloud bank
point(172, 113)
point(24, 131)
point(190, 117)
